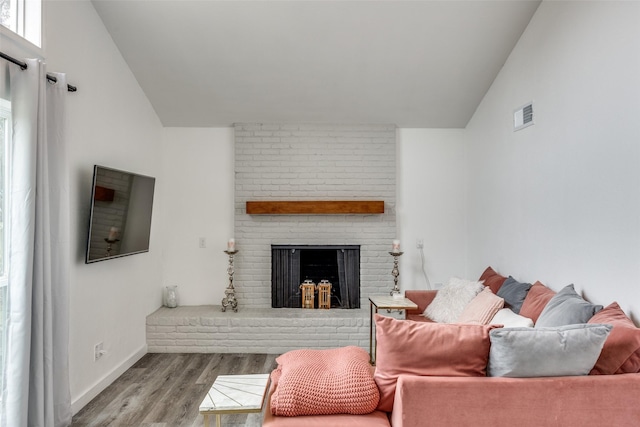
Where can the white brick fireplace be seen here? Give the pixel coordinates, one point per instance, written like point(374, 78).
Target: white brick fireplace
point(313, 162)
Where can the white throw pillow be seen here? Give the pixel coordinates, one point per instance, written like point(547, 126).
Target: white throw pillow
point(450, 301)
point(509, 319)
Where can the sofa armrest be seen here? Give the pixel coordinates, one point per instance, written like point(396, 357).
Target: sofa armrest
point(421, 297)
point(595, 400)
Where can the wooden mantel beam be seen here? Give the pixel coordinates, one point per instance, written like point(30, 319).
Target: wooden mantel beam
point(315, 207)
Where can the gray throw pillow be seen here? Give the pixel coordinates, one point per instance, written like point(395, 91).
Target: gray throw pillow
point(566, 308)
point(513, 293)
point(545, 352)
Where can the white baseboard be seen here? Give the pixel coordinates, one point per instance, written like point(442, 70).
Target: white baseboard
point(88, 395)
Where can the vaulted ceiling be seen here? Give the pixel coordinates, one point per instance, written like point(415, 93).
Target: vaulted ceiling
point(413, 63)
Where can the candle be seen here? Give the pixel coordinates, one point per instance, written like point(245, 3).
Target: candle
point(113, 233)
point(231, 245)
point(396, 246)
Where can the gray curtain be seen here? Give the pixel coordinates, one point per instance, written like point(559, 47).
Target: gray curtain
point(36, 386)
point(285, 277)
point(349, 275)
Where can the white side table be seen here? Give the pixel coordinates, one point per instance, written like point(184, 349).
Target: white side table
point(234, 394)
point(384, 302)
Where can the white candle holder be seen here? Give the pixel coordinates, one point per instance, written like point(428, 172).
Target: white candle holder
point(395, 292)
point(229, 299)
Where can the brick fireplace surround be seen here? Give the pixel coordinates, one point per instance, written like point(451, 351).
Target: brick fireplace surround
point(295, 162)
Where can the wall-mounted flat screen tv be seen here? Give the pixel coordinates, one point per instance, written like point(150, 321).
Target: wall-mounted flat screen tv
point(120, 219)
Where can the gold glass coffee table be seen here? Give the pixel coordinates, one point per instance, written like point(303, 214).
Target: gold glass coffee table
point(234, 394)
point(389, 303)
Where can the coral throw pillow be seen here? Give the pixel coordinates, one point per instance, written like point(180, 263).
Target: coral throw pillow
point(324, 382)
point(418, 348)
point(492, 279)
point(482, 308)
point(621, 351)
point(535, 301)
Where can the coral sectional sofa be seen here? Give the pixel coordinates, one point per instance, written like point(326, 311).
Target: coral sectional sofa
point(596, 401)
point(579, 365)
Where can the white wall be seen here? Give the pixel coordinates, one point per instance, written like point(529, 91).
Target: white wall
point(110, 123)
point(431, 205)
point(198, 202)
point(559, 201)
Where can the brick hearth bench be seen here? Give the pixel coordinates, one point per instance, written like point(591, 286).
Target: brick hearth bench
point(206, 329)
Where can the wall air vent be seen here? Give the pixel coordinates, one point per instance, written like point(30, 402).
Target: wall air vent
point(523, 117)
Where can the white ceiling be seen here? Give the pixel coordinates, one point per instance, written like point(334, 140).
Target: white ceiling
point(413, 63)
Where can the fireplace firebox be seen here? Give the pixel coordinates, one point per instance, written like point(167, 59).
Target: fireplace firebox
point(293, 264)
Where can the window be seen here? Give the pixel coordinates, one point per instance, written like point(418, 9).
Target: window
point(23, 17)
point(5, 127)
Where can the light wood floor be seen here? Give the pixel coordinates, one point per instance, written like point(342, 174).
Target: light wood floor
point(165, 390)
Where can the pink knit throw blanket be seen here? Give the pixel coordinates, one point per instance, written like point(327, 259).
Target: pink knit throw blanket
point(323, 382)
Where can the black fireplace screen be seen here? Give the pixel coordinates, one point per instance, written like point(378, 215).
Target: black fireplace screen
point(291, 265)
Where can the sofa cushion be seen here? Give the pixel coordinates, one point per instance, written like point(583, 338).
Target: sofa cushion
point(492, 279)
point(482, 308)
point(514, 293)
point(545, 352)
point(451, 300)
point(509, 319)
point(567, 308)
point(422, 298)
point(405, 347)
point(621, 351)
point(537, 298)
point(321, 382)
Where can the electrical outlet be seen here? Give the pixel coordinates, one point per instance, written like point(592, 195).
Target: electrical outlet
point(202, 242)
point(419, 243)
point(98, 351)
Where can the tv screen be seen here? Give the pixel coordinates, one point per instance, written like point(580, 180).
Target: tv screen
point(120, 219)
